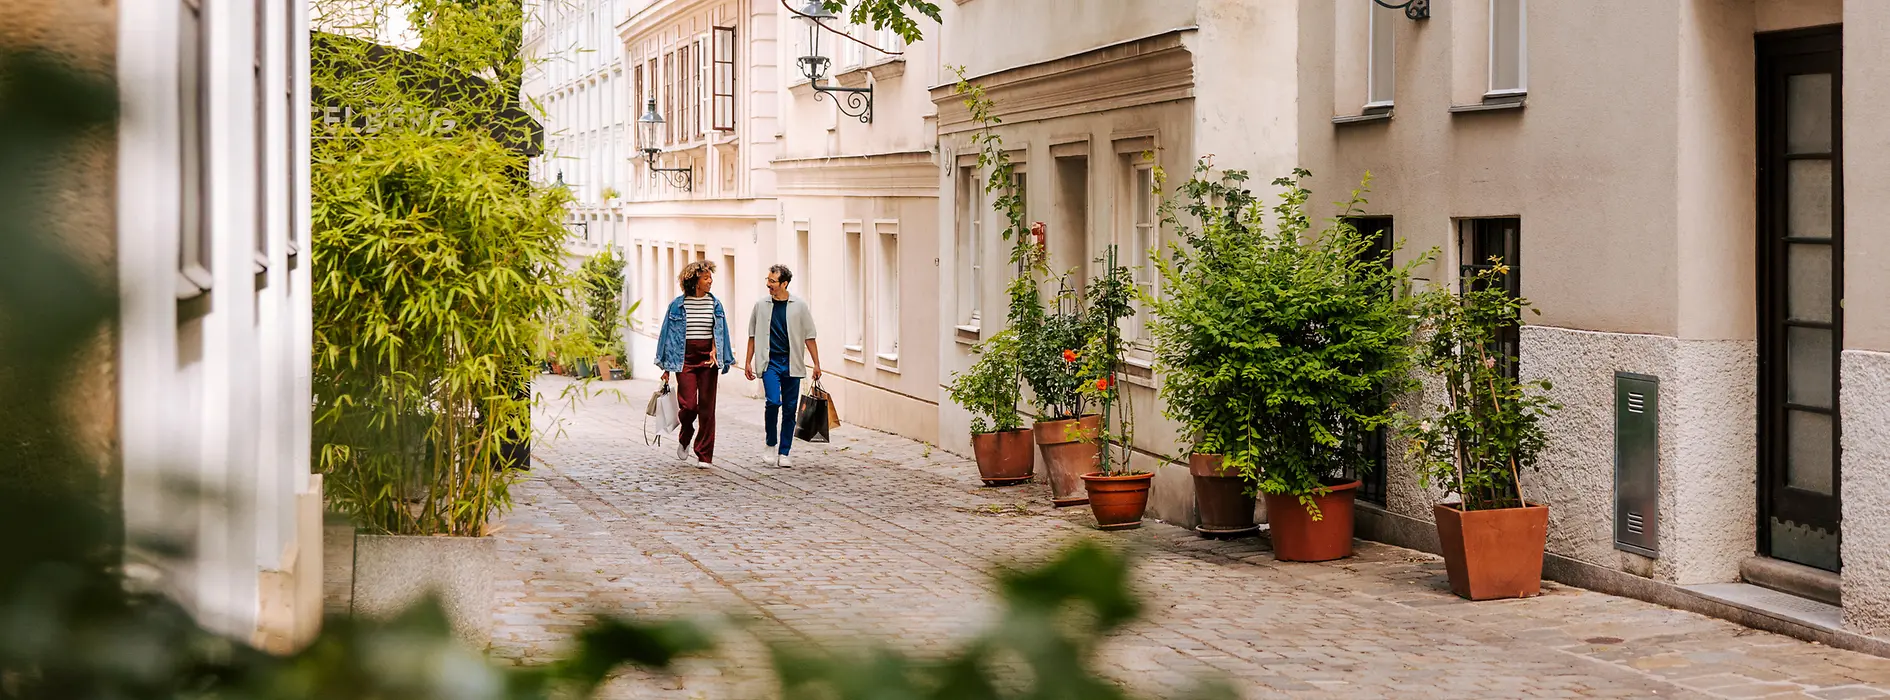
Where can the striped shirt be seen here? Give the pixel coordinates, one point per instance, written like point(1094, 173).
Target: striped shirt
point(699, 312)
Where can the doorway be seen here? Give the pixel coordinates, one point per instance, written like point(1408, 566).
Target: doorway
point(1800, 268)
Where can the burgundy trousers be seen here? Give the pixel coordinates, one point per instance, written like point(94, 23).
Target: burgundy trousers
point(695, 397)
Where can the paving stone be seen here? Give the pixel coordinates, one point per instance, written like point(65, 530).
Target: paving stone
point(874, 537)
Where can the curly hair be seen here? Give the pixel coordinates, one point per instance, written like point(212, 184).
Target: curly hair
point(693, 270)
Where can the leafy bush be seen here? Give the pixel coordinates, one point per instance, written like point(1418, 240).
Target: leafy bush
point(1051, 349)
point(602, 279)
point(1280, 349)
point(1108, 299)
point(989, 388)
point(1478, 444)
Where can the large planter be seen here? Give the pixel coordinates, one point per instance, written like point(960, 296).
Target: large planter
point(1070, 450)
point(1493, 554)
point(1004, 459)
point(1118, 502)
point(393, 572)
point(1221, 499)
point(1298, 537)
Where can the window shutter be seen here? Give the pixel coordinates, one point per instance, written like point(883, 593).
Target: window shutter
point(700, 71)
point(722, 98)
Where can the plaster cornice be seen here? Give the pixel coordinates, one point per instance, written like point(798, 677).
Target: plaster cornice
point(1145, 71)
point(898, 174)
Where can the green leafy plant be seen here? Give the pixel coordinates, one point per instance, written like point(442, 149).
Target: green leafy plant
point(602, 279)
point(1052, 347)
point(1489, 431)
point(437, 266)
point(1280, 347)
point(610, 193)
point(989, 388)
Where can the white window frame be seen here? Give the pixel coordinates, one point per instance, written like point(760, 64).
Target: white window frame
point(886, 306)
point(970, 250)
point(1380, 89)
point(1141, 234)
point(855, 328)
point(194, 244)
point(1522, 52)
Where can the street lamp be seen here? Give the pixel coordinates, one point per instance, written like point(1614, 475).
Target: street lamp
point(859, 101)
point(649, 128)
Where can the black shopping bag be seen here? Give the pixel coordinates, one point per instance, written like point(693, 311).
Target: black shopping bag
point(816, 416)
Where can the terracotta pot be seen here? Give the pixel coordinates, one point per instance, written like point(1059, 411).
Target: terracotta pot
point(1221, 499)
point(1118, 502)
point(1493, 554)
point(1297, 537)
point(1004, 458)
point(1069, 450)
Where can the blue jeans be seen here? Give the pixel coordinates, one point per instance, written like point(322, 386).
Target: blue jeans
point(784, 395)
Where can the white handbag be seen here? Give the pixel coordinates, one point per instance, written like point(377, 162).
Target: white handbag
point(665, 408)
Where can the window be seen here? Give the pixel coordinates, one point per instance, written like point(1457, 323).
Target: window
point(1499, 239)
point(886, 311)
point(686, 127)
point(1379, 64)
point(969, 248)
point(669, 103)
point(1378, 230)
point(194, 246)
point(1509, 59)
point(295, 112)
point(852, 52)
point(803, 259)
point(700, 88)
point(722, 99)
point(259, 57)
point(1143, 236)
point(856, 291)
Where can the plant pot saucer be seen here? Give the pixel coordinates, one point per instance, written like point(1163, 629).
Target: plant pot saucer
point(1069, 502)
point(1120, 526)
point(1226, 533)
point(1007, 482)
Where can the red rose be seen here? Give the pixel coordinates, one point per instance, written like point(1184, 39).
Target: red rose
point(1069, 355)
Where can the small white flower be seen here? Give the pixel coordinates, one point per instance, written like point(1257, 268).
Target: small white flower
point(1424, 426)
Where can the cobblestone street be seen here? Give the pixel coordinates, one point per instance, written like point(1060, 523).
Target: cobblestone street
point(878, 537)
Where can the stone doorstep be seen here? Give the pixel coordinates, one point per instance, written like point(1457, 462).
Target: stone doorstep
point(1797, 579)
point(1742, 603)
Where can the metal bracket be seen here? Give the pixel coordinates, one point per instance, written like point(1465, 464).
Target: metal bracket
point(859, 102)
point(1413, 9)
point(688, 174)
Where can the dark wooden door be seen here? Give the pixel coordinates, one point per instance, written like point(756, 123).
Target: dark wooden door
point(1801, 317)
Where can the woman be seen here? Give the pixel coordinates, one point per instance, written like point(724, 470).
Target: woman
point(694, 345)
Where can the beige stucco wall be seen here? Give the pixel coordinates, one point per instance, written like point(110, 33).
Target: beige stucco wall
point(987, 36)
point(1866, 177)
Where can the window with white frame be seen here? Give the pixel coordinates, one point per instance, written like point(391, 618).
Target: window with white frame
point(803, 260)
point(856, 289)
point(1380, 63)
point(193, 248)
point(722, 77)
point(1509, 57)
point(969, 248)
point(1142, 236)
point(886, 307)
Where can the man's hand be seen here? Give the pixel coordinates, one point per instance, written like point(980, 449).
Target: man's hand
point(748, 371)
point(817, 373)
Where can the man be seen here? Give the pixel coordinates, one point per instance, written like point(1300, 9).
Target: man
point(788, 324)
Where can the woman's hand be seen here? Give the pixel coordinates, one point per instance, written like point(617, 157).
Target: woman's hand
point(665, 376)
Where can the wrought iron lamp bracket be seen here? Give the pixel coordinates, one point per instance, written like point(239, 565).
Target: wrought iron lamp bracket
point(688, 175)
point(1413, 9)
point(858, 102)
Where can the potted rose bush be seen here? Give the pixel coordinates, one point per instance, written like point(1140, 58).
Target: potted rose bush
point(1118, 493)
point(1480, 440)
point(1053, 343)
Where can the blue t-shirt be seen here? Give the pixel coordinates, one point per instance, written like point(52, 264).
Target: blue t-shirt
point(777, 336)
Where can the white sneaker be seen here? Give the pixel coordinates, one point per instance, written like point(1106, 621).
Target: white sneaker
point(682, 452)
point(703, 465)
point(784, 461)
point(768, 458)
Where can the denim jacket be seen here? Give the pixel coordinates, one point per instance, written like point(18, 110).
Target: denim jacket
point(669, 340)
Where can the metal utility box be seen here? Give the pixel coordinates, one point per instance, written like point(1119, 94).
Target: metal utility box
point(1637, 463)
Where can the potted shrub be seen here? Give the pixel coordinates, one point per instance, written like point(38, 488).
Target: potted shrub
point(1315, 344)
point(1118, 494)
point(1479, 442)
point(1053, 343)
point(989, 390)
point(1200, 356)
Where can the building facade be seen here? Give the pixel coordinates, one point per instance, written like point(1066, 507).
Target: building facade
point(195, 208)
point(1683, 187)
point(575, 84)
point(1089, 111)
point(858, 217)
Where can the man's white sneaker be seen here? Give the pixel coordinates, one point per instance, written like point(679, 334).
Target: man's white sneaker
point(768, 458)
point(682, 452)
point(784, 461)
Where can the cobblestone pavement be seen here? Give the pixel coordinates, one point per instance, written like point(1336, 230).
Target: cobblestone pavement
point(879, 537)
